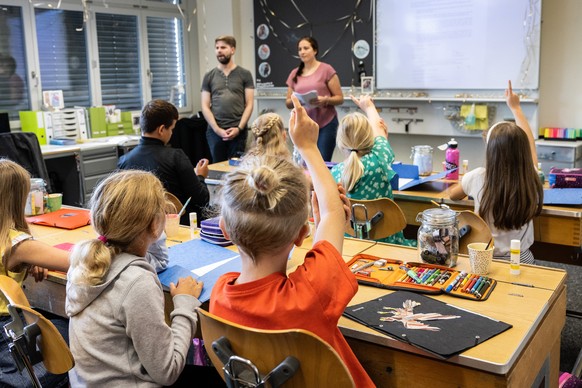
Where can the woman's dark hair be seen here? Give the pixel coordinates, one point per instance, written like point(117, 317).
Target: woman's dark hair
point(314, 46)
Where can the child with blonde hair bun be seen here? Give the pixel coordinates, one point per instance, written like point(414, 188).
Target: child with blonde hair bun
point(264, 212)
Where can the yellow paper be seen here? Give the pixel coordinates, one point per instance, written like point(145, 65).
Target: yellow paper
point(481, 119)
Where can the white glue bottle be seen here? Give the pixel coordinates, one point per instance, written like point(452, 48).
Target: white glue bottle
point(515, 250)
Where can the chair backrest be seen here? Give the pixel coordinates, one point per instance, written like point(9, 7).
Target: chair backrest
point(320, 365)
point(24, 149)
point(190, 135)
point(392, 221)
point(174, 201)
point(56, 356)
point(479, 230)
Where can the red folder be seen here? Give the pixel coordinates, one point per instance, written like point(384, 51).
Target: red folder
point(63, 218)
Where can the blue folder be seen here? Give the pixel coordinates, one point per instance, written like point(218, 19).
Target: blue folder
point(410, 171)
point(563, 197)
point(194, 254)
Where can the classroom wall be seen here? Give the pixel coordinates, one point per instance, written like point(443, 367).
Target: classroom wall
point(560, 100)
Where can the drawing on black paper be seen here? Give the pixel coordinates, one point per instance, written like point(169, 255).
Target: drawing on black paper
point(405, 314)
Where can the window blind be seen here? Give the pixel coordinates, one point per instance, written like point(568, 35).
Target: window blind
point(13, 71)
point(117, 38)
point(62, 51)
point(166, 57)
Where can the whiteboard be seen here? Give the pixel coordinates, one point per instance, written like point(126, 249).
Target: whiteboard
point(457, 44)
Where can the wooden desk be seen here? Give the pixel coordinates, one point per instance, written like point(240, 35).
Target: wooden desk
point(525, 355)
point(560, 225)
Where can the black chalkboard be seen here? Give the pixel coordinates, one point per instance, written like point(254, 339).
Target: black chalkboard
point(342, 29)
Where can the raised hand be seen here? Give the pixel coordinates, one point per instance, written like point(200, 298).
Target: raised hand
point(302, 129)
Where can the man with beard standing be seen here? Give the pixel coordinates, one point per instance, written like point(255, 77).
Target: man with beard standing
point(227, 102)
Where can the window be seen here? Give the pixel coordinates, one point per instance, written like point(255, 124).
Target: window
point(166, 58)
point(118, 42)
point(13, 70)
point(62, 54)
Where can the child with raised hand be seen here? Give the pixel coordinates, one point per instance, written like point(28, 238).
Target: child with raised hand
point(118, 334)
point(264, 212)
point(22, 255)
point(508, 193)
point(269, 136)
point(366, 172)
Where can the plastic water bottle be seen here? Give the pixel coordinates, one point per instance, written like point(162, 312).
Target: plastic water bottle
point(541, 174)
point(452, 159)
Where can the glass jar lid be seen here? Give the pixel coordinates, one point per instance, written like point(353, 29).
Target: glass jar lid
point(421, 148)
point(437, 216)
point(37, 183)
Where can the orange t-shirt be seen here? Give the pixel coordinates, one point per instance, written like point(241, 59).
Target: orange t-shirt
point(313, 298)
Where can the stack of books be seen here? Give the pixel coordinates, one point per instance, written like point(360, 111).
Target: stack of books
point(211, 233)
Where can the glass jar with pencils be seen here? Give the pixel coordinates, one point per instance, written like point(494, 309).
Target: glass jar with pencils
point(438, 236)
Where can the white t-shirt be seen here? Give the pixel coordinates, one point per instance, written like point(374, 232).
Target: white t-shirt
point(472, 184)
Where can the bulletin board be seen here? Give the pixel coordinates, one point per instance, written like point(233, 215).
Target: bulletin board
point(344, 30)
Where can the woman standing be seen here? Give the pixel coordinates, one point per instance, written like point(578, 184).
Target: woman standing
point(313, 75)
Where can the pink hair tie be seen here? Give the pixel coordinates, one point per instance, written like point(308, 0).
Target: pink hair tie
point(103, 239)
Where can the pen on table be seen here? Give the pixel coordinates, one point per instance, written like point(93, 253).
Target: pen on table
point(523, 284)
point(363, 266)
point(184, 207)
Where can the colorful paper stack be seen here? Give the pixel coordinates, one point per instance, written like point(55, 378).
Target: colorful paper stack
point(211, 233)
point(561, 133)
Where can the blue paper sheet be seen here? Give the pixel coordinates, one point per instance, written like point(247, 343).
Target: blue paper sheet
point(407, 176)
point(195, 254)
point(563, 197)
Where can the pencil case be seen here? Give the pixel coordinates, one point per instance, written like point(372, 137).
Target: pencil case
point(393, 274)
point(570, 178)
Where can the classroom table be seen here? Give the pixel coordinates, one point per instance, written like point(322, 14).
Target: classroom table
point(557, 230)
point(525, 355)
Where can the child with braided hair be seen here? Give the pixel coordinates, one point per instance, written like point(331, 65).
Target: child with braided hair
point(269, 136)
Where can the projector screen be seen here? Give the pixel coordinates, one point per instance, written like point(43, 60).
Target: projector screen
point(457, 44)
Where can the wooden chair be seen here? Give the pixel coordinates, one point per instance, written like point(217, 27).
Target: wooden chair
point(171, 198)
point(476, 228)
point(375, 219)
point(52, 349)
point(230, 345)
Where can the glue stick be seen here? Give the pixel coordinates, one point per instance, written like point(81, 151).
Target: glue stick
point(515, 250)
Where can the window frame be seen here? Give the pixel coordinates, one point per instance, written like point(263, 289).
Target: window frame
point(139, 8)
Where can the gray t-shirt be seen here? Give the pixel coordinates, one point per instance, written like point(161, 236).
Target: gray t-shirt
point(227, 94)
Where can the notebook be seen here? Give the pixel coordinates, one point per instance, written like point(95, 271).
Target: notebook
point(63, 218)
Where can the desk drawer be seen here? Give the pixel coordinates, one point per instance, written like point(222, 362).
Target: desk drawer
point(549, 154)
point(99, 166)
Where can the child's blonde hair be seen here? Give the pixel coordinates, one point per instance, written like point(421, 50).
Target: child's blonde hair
point(264, 204)
point(512, 193)
point(355, 138)
point(269, 135)
point(122, 207)
point(14, 189)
